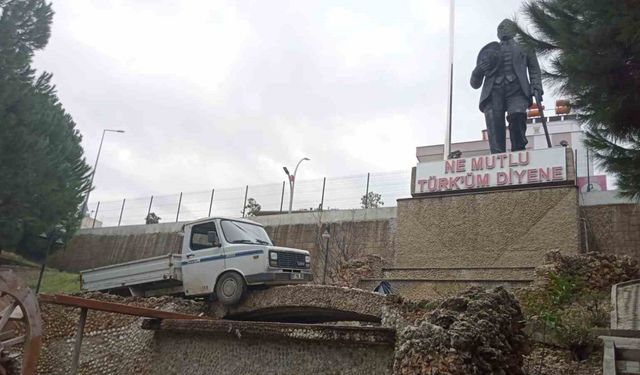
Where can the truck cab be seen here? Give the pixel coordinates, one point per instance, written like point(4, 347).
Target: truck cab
point(224, 256)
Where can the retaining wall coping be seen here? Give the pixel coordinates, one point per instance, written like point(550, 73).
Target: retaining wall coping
point(601, 198)
point(298, 218)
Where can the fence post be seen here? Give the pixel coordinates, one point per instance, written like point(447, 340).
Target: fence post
point(211, 202)
point(244, 206)
point(588, 173)
point(324, 181)
point(95, 216)
point(121, 211)
point(179, 203)
point(366, 194)
point(149, 210)
point(282, 197)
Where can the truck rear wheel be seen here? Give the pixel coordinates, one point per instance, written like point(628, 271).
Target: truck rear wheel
point(230, 288)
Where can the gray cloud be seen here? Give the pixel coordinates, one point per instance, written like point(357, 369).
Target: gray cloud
point(216, 94)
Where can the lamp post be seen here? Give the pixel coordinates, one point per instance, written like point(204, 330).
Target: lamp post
point(93, 173)
point(292, 181)
point(326, 237)
point(53, 236)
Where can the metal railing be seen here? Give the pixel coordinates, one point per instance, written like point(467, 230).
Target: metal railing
point(326, 194)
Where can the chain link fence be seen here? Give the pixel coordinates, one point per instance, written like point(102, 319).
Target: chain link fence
point(326, 193)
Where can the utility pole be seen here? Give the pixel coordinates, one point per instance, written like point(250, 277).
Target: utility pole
point(447, 133)
point(95, 165)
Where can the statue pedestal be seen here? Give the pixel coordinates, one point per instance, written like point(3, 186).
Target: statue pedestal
point(489, 235)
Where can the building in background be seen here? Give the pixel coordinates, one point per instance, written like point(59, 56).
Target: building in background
point(564, 129)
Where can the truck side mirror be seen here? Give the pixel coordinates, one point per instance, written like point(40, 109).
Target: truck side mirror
point(212, 237)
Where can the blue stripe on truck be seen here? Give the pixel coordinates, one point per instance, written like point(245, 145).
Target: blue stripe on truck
point(223, 256)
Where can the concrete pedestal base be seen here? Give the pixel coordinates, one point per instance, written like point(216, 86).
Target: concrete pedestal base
point(482, 237)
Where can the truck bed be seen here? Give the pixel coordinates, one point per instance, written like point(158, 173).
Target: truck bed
point(163, 269)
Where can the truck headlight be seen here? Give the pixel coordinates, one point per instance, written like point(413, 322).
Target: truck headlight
point(273, 255)
point(307, 259)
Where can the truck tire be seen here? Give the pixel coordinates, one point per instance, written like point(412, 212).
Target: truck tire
point(230, 288)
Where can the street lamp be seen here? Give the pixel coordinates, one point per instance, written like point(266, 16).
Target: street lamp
point(93, 173)
point(326, 237)
point(292, 181)
point(54, 236)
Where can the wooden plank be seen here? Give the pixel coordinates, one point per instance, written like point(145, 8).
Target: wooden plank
point(609, 358)
point(92, 304)
point(77, 345)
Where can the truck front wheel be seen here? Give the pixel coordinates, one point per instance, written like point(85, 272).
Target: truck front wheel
point(230, 288)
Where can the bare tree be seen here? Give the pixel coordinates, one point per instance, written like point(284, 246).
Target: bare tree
point(371, 200)
point(152, 218)
point(253, 206)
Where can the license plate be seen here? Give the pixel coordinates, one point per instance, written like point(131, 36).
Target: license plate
point(297, 276)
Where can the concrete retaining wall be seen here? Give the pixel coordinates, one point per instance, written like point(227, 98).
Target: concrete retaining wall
point(612, 224)
point(369, 231)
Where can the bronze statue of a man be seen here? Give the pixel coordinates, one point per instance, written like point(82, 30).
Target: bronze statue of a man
point(503, 67)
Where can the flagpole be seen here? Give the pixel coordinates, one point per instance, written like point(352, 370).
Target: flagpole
point(447, 135)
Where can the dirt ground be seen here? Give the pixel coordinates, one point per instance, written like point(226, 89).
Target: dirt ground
point(546, 360)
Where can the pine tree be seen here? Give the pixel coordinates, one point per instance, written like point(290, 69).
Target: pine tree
point(43, 174)
point(593, 48)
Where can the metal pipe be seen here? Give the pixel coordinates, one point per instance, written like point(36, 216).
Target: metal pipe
point(282, 197)
point(179, 204)
point(588, 173)
point(149, 210)
point(324, 182)
point(75, 361)
point(211, 202)
point(244, 206)
point(586, 233)
point(95, 216)
point(121, 211)
point(366, 194)
point(326, 256)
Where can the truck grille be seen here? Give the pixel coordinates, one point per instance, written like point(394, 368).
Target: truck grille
point(290, 260)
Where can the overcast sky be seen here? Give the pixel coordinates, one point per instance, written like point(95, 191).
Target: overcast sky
point(223, 94)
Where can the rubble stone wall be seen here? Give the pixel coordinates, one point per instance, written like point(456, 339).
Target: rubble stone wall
point(613, 229)
point(208, 347)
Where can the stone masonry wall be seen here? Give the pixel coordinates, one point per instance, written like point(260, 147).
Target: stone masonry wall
point(512, 228)
point(613, 229)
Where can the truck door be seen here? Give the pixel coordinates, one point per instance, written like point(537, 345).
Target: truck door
point(202, 259)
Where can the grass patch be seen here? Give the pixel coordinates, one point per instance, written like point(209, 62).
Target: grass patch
point(53, 281)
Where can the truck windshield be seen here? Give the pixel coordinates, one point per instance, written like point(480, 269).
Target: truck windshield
point(239, 232)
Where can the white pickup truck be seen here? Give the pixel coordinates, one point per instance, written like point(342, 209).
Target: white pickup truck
point(220, 257)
